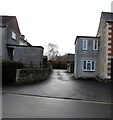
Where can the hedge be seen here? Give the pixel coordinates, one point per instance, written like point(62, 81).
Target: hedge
point(9, 71)
point(58, 64)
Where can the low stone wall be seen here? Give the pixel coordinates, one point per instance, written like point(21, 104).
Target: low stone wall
point(31, 75)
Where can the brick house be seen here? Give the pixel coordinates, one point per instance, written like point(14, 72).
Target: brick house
point(105, 32)
point(103, 55)
point(14, 45)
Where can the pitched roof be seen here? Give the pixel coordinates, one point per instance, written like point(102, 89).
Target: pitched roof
point(108, 16)
point(5, 19)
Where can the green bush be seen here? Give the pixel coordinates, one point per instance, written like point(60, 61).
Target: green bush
point(9, 71)
point(59, 65)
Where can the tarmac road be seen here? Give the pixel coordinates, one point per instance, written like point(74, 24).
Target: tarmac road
point(58, 97)
point(23, 106)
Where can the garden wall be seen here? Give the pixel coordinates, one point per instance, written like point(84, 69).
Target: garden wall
point(31, 75)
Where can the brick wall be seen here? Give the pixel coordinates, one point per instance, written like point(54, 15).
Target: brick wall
point(112, 69)
point(110, 49)
point(103, 49)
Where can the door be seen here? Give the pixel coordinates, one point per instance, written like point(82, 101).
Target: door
point(10, 52)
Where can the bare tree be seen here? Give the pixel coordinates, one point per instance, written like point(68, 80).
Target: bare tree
point(52, 51)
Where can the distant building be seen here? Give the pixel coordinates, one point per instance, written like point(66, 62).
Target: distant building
point(14, 45)
point(45, 61)
point(94, 55)
point(70, 63)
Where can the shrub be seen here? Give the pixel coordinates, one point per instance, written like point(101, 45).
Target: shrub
point(58, 64)
point(9, 71)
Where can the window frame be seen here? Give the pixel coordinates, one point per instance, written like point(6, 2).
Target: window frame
point(94, 42)
point(85, 45)
point(13, 36)
point(90, 62)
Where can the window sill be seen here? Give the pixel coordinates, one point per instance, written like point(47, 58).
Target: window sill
point(95, 50)
point(13, 39)
point(84, 50)
point(88, 70)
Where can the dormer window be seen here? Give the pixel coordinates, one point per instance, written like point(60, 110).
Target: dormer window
point(14, 35)
point(85, 45)
point(95, 44)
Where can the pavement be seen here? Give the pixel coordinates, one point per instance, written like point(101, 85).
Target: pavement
point(57, 97)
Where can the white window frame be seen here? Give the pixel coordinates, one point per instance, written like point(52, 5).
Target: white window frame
point(94, 44)
point(91, 65)
point(14, 35)
point(85, 45)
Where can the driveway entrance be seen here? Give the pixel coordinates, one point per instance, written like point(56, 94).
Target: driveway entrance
point(61, 96)
point(63, 85)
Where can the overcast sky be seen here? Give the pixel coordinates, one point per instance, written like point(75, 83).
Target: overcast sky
point(56, 21)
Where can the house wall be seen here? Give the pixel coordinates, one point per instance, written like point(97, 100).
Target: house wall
point(0, 43)
point(18, 49)
point(70, 63)
point(112, 69)
point(76, 60)
point(81, 55)
point(30, 56)
point(70, 57)
point(12, 27)
point(7, 37)
point(104, 33)
point(110, 49)
point(3, 37)
point(0, 40)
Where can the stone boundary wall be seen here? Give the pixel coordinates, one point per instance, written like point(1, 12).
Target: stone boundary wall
point(31, 75)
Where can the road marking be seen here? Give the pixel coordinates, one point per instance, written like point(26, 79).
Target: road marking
point(58, 98)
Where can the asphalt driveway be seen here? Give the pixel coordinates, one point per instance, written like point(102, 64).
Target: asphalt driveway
point(62, 85)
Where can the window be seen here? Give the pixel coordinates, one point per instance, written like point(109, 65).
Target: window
point(89, 65)
point(95, 44)
point(85, 44)
point(13, 35)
